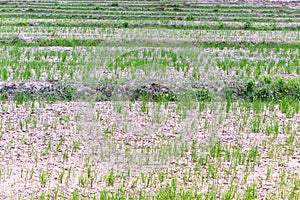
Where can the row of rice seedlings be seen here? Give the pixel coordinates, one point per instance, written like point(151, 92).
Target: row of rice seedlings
point(165, 12)
point(117, 34)
point(245, 68)
point(142, 3)
point(37, 71)
point(287, 52)
point(41, 65)
point(249, 64)
point(69, 61)
point(199, 60)
point(62, 54)
point(168, 6)
point(255, 54)
point(162, 13)
point(149, 61)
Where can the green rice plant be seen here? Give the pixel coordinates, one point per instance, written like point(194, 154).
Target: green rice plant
point(26, 75)
point(157, 115)
point(294, 193)
point(82, 181)
point(61, 176)
point(228, 105)
point(258, 107)
point(42, 196)
point(144, 104)
point(283, 178)
point(256, 124)
point(60, 143)
point(63, 56)
point(4, 74)
point(36, 159)
point(273, 129)
point(212, 172)
point(227, 154)
point(110, 180)
point(90, 176)
point(201, 106)
point(216, 150)
point(253, 154)
point(194, 151)
point(65, 155)
point(228, 195)
point(76, 145)
point(183, 146)
point(284, 105)
point(250, 193)
point(161, 177)
point(21, 97)
point(211, 194)
point(289, 107)
point(75, 195)
point(238, 155)
point(109, 131)
point(269, 172)
point(4, 96)
point(291, 138)
point(43, 177)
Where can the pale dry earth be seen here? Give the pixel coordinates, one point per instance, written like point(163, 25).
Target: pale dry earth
point(117, 135)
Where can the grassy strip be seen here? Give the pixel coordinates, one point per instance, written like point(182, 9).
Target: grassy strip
point(67, 42)
point(141, 24)
point(266, 89)
point(72, 42)
point(151, 4)
point(59, 92)
point(106, 90)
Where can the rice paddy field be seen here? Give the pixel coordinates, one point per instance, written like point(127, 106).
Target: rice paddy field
point(157, 99)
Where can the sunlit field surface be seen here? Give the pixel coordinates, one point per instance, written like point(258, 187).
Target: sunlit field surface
point(149, 99)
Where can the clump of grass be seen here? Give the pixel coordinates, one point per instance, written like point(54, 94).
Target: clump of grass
point(267, 89)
